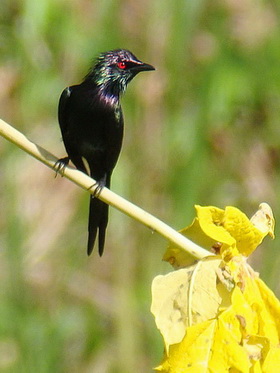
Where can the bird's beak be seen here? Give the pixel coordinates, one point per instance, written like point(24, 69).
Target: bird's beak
point(142, 67)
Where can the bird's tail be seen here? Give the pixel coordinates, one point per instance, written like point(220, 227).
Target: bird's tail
point(97, 221)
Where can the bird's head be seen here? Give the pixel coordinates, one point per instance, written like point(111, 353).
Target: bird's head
point(113, 70)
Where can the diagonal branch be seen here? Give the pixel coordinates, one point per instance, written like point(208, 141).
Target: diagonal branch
point(106, 195)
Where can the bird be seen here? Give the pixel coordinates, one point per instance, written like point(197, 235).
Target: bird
point(91, 123)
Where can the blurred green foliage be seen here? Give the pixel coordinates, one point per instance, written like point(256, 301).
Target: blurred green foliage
point(202, 129)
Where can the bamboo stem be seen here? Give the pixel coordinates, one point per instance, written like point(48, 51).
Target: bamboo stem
point(106, 195)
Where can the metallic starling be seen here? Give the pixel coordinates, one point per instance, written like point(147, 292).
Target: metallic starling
point(91, 123)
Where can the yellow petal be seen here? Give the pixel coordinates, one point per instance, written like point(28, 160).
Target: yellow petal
point(179, 258)
point(245, 233)
point(193, 353)
point(272, 361)
point(270, 300)
point(211, 220)
point(185, 297)
point(263, 219)
point(228, 354)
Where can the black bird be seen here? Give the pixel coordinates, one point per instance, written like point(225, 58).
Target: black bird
point(91, 123)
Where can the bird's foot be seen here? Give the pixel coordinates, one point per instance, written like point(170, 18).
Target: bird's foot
point(98, 186)
point(60, 165)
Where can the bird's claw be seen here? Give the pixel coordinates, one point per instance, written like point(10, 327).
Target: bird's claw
point(98, 188)
point(60, 165)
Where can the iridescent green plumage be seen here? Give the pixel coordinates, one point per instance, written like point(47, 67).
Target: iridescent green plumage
point(112, 80)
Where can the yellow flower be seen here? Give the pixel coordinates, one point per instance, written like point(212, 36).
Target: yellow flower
point(228, 232)
point(217, 315)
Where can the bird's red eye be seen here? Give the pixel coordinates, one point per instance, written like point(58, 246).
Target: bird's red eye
point(121, 65)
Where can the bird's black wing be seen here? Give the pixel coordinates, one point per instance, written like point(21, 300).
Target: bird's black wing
point(62, 109)
point(64, 119)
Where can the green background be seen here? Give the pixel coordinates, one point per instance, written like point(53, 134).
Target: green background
point(202, 129)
